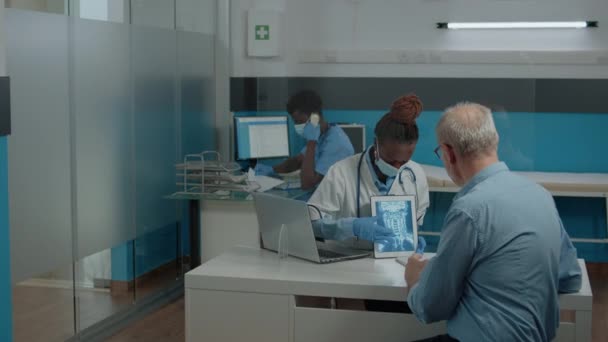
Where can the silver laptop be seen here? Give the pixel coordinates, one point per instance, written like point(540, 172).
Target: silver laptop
point(287, 222)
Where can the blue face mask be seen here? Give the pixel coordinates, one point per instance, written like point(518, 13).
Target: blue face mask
point(387, 169)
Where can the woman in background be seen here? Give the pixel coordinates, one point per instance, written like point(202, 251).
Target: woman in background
point(325, 143)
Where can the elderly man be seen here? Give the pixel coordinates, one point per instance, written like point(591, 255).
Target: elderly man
point(504, 254)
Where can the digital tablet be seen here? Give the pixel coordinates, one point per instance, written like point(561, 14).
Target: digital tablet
point(398, 215)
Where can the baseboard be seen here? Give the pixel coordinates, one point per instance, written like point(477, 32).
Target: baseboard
point(60, 284)
point(120, 286)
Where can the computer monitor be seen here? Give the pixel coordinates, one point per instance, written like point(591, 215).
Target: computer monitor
point(261, 137)
point(356, 134)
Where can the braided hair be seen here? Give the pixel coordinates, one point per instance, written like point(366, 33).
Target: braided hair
point(399, 124)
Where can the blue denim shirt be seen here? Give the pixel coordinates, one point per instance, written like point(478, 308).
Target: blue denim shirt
point(501, 261)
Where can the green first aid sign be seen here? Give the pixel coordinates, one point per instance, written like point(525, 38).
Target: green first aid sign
point(262, 32)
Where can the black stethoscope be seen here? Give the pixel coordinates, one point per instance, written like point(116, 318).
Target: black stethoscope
point(412, 176)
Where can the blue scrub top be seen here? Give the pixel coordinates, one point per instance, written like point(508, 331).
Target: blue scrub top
point(333, 146)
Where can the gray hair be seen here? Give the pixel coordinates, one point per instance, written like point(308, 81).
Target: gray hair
point(469, 128)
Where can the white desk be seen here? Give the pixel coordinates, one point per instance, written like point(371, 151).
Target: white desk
point(250, 294)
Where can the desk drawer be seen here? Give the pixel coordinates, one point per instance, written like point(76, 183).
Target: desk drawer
point(320, 325)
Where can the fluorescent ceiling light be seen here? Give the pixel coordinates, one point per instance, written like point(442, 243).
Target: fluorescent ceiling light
point(518, 25)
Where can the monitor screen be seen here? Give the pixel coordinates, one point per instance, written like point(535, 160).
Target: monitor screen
point(356, 134)
point(261, 137)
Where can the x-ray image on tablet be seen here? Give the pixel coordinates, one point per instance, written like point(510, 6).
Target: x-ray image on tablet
point(398, 215)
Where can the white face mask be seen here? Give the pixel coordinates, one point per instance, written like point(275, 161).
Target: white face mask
point(385, 168)
point(299, 129)
point(313, 120)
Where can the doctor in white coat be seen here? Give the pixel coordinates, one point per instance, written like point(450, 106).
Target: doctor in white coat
point(385, 168)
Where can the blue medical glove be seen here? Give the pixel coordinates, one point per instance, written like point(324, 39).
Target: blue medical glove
point(370, 228)
point(331, 229)
point(263, 170)
point(421, 245)
point(311, 132)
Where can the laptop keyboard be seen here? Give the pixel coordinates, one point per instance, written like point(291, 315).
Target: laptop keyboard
point(325, 254)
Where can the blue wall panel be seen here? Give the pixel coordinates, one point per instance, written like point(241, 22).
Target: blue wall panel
point(155, 249)
point(152, 250)
point(5, 257)
point(544, 142)
point(122, 262)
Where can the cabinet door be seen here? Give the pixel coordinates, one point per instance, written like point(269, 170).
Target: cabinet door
point(324, 325)
point(236, 316)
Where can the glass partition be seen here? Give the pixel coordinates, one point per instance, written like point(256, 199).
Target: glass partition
point(102, 111)
point(40, 177)
point(39, 148)
point(47, 6)
point(155, 153)
point(153, 13)
point(103, 133)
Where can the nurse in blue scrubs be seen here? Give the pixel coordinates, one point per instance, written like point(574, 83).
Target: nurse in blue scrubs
point(326, 143)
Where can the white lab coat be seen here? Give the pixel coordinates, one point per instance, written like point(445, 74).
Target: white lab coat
point(336, 196)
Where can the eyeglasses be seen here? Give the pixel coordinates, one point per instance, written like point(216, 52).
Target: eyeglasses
point(437, 151)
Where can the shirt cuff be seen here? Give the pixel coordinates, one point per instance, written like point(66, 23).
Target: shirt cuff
point(410, 290)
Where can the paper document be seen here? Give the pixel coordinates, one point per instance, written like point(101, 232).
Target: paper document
point(289, 185)
point(266, 183)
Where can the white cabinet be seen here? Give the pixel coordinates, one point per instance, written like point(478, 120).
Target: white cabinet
point(232, 316)
point(326, 325)
point(225, 224)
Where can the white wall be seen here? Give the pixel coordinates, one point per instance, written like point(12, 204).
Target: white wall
point(378, 33)
point(2, 41)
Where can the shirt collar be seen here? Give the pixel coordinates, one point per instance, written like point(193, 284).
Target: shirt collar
point(482, 175)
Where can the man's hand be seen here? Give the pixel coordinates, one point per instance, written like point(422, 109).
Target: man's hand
point(415, 265)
